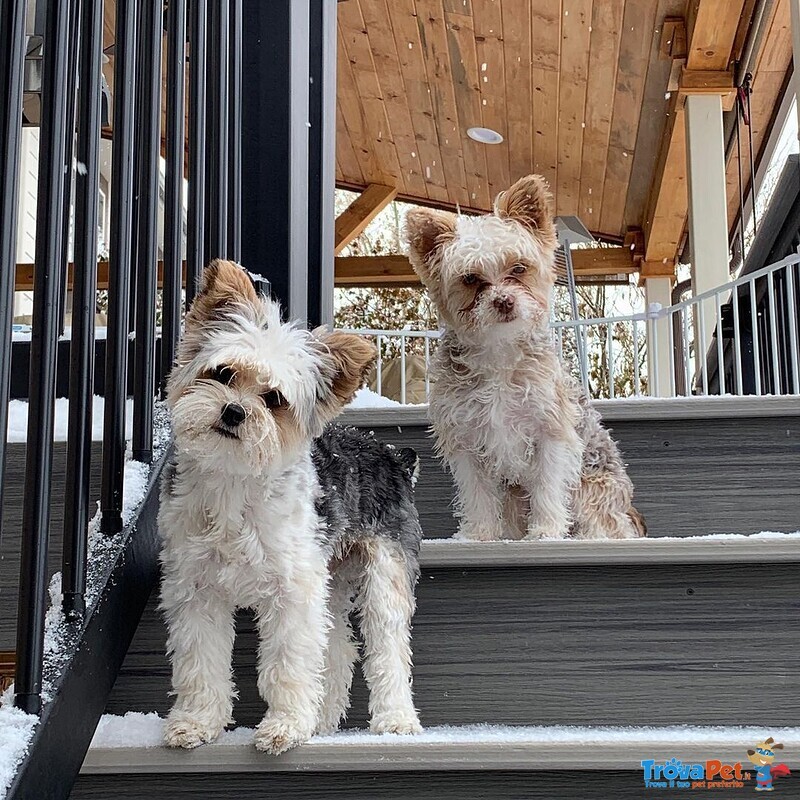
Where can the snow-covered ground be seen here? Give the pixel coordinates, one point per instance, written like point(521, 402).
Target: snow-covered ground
point(16, 730)
point(137, 729)
point(18, 419)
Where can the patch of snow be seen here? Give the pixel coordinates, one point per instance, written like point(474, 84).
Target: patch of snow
point(366, 398)
point(16, 730)
point(22, 333)
point(645, 542)
point(18, 419)
point(138, 729)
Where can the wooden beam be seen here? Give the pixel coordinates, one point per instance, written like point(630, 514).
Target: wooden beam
point(24, 278)
point(396, 271)
point(8, 665)
point(352, 221)
point(711, 29)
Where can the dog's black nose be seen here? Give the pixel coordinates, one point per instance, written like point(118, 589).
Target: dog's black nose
point(233, 414)
point(504, 303)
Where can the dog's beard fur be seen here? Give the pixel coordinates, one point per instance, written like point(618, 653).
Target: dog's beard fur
point(507, 415)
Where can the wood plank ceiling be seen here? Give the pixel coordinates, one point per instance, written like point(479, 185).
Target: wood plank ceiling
point(563, 81)
point(578, 89)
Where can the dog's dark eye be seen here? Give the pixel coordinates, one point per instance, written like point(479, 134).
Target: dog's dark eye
point(273, 399)
point(223, 374)
point(519, 269)
point(470, 279)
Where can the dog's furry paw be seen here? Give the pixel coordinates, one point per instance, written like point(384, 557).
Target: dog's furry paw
point(182, 730)
point(396, 723)
point(475, 533)
point(540, 532)
point(276, 735)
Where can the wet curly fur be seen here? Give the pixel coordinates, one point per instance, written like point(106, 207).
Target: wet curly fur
point(529, 454)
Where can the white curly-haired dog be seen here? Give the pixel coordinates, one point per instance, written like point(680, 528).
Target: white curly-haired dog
point(265, 507)
point(528, 453)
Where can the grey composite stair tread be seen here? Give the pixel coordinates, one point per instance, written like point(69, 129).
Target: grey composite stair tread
point(547, 644)
point(619, 409)
point(691, 476)
point(679, 550)
point(408, 756)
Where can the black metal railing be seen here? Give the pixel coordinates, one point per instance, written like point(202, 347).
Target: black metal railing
point(70, 135)
point(178, 143)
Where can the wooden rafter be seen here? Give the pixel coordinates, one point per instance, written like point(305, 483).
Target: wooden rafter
point(352, 221)
point(396, 270)
point(711, 33)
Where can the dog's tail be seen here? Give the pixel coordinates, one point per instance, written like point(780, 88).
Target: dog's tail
point(410, 461)
point(637, 519)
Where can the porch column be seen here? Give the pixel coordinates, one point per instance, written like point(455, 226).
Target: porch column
point(795, 6)
point(708, 214)
point(658, 291)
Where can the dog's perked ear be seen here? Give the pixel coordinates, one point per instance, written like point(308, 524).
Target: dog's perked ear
point(426, 231)
point(348, 359)
point(530, 203)
point(223, 285)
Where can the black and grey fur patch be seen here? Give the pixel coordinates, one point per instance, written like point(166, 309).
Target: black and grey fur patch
point(367, 490)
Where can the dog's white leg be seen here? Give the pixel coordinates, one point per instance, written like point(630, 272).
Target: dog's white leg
point(340, 657)
point(479, 504)
point(200, 642)
point(386, 605)
point(557, 473)
point(293, 631)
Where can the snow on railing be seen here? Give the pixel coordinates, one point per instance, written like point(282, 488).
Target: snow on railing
point(740, 338)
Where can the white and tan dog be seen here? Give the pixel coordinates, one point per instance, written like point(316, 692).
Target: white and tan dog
point(528, 453)
point(266, 507)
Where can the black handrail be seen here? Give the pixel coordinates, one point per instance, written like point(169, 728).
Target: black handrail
point(12, 55)
point(121, 234)
point(44, 338)
point(174, 172)
point(198, 11)
point(148, 147)
point(84, 301)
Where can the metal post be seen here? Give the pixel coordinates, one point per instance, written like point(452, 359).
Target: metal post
point(321, 161)
point(42, 371)
point(173, 201)
point(217, 152)
point(12, 58)
point(119, 270)
point(235, 131)
point(275, 148)
point(81, 373)
point(198, 12)
point(148, 146)
point(580, 343)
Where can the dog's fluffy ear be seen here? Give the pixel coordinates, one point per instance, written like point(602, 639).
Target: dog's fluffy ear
point(529, 202)
point(222, 285)
point(426, 231)
point(349, 359)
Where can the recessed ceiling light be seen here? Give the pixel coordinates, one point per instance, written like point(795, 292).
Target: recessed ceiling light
point(484, 135)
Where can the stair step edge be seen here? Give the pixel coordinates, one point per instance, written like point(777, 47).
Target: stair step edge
point(402, 756)
point(715, 549)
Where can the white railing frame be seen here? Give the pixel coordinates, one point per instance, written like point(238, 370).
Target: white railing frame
point(695, 348)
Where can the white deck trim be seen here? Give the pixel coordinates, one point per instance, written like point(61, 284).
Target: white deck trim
point(667, 550)
point(410, 756)
point(645, 408)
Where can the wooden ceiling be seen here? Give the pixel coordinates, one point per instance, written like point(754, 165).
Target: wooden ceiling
point(578, 88)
